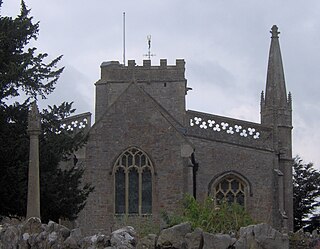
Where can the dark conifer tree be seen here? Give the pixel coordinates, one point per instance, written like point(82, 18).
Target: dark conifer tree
point(306, 193)
point(23, 70)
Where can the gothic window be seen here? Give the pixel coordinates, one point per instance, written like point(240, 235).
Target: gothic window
point(230, 189)
point(133, 173)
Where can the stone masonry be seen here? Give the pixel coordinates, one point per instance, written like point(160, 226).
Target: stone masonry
point(34, 130)
point(142, 108)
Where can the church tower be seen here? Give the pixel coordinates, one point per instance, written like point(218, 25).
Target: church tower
point(276, 112)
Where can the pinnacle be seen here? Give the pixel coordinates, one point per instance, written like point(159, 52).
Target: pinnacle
point(274, 31)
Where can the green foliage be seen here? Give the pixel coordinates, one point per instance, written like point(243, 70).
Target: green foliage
point(213, 219)
point(14, 142)
point(306, 193)
point(301, 240)
point(62, 193)
point(22, 70)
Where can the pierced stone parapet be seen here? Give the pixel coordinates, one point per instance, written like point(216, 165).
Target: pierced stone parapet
point(218, 126)
point(77, 123)
point(229, 130)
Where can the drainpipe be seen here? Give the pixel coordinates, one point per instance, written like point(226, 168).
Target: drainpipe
point(195, 167)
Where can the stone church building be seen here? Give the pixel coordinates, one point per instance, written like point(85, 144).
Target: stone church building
point(145, 150)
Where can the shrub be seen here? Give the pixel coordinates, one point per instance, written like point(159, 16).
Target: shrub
point(223, 218)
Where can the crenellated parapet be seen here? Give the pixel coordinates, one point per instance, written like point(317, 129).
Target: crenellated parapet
point(165, 83)
point(113, 71)
point(229, 130)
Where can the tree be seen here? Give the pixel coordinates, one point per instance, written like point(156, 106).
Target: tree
point(21, 69)
point(62, 196)
point(306, 191)
point(24, 71)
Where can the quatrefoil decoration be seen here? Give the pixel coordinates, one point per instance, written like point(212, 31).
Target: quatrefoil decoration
point(243, 133)
point(217, 128)
point(63, 126)
point(85, 120)
point(251, 131)
point(238, 128)
point(70, 128)
point(191, 122)
point(198, 120)
point(257, 135)
point(204, 125)
point(75, 123)
point(211, 123)
point(230, 130)
point(81, 125)
point(224, 125)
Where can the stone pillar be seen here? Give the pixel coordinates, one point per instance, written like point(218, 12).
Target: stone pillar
point(34, 130)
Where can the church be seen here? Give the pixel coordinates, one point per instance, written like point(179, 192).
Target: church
point(145, 151)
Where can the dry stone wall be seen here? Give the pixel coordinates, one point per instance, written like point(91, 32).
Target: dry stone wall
point(32, 234)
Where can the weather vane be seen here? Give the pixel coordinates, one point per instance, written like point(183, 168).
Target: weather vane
point(149, 54)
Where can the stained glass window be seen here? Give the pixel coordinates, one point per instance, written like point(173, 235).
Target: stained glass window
point(120, 191)
point(146, 191)
point(231, 190)
point(133, 191)
point(133, 173)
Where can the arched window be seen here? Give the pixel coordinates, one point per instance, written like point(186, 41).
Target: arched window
point(230, 189)
point(133, 173)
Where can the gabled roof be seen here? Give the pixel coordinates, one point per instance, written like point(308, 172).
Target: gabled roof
point(136, 90)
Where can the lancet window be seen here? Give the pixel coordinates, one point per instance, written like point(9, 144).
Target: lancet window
point(133, 173)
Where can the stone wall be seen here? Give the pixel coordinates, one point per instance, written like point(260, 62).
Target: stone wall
point(253, 167)
point(165, 83)
point(143, 124)
point(33, 235)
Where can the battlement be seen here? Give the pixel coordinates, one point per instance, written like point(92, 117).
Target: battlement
point(113, 71)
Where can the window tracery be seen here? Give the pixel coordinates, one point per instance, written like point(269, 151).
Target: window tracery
point(133, 173)
point(230, 189)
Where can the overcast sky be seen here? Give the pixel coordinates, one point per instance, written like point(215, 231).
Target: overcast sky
point(225, 44)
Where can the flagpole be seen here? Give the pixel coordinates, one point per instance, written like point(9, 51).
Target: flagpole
point(124, 38)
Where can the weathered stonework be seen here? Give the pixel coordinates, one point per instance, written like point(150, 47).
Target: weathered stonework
point(34, 130)
point(33, 234)
point(143, 107)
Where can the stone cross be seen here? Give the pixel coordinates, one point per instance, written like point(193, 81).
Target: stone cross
point(34, 130)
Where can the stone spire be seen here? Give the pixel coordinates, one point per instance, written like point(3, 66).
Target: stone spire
point(34, 130)
point(275, 94)
point(276, 112)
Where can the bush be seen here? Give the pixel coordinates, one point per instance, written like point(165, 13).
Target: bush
point(224, 218)
point(301, 240)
